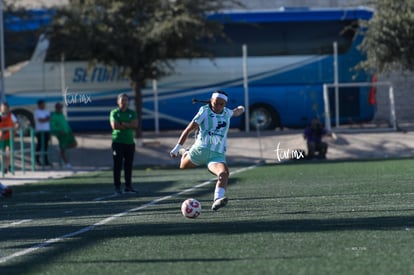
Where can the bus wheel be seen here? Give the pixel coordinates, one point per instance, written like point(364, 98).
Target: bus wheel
point(25, 119)
point(263, 117)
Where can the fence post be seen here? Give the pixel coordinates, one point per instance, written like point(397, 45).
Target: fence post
point(22, 150)
point(2, 156)
point(32, 149)
point(327, 108)
point(393, 118)
point(11, 151)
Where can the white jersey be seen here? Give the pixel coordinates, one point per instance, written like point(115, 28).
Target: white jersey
point(213, 128)
point(41, 126)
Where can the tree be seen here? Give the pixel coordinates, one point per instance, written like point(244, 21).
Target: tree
point(143, 37)
point(389, 38)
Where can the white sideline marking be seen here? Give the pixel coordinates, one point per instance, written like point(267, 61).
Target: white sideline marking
point(106, 197)
point(15, 223)
point(111, 218)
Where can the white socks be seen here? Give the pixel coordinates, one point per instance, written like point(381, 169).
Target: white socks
point(219, 193)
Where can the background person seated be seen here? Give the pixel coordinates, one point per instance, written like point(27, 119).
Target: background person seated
point(314, 134)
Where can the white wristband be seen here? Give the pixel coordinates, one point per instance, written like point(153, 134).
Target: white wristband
point(176, 149)
point(241, 107)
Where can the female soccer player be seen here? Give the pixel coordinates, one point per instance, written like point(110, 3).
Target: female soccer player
point(212, 122)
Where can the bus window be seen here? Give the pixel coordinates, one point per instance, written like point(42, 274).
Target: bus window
point(284, 38)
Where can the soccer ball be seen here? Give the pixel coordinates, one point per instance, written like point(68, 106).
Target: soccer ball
point(5, 191)
point(191, 208)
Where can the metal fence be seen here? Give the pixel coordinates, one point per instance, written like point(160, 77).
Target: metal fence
point(20, 153)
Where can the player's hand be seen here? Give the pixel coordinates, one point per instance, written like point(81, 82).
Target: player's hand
point(239, 110)
point(174, 152)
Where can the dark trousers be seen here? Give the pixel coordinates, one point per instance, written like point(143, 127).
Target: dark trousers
point(42, 147)
point(123, 156)
point(317, 147)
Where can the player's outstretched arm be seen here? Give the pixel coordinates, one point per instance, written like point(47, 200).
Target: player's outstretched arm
point(184, 135)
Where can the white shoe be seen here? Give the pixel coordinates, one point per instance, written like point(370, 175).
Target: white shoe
point(68, 166)
point(219, 203)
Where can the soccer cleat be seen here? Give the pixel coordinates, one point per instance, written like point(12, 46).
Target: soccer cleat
point(5, 191)
point(219, 203)
point(118, 191)
point(130, 190)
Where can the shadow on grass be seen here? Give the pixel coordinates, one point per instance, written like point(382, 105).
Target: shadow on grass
point(103, 233)
point(251, 226)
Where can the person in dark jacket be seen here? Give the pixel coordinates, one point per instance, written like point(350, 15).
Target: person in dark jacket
point(314, 134)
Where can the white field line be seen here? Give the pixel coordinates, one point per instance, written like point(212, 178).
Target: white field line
point(15, 223)
point(106, 197)
point(111, 218)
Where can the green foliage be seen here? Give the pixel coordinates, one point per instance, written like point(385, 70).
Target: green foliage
point(142, 36)
point(389, 39)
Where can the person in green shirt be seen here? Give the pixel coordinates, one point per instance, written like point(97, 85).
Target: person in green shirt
point(123, 122)
point(60, 128)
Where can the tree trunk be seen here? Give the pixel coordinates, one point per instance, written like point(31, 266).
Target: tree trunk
point(138, 107)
